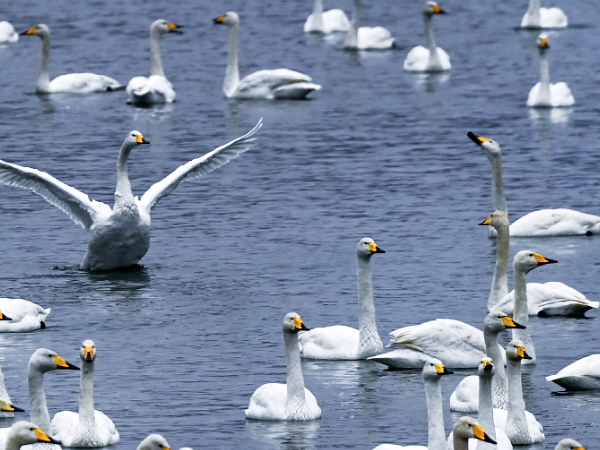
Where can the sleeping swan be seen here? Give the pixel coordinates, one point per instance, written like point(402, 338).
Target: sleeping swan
point(326, 21)
point(8, 34)
point(581, 375)
point(118, 237)
point(366, 38)
point(23, 315)
point(265, 84)
point(537, 17)
point(72, 83)
point(432, 58)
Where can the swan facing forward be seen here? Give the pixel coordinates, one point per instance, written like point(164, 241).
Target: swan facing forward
point(326, 21)
point(72, 83)
point(24, 315)
point(290, 401)
point(156, 88)
point(265, 84)
point(537, 17)
point(118, 237)
point(341, 342)
point(8, 35)
point(581, 375)
point(432, 58)
point(88, 428)
point(366, 38)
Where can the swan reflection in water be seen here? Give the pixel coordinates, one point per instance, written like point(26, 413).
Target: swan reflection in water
point(429, 82)
point(288, 435)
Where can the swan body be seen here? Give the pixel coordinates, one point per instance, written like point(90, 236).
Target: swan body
point(366, 38)
point(72, 83)
point(326, 21)
point(432, 58)
point(25, 433)
point(88, 428)
point(264, 84)
point(581, 375)
point(156, 88)
point(340, 342)
point(8, 35)
point(538, 17)
point(118, 237)
point(24, 315)
point(290, 401)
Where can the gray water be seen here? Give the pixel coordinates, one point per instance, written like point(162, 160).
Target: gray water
point(183, 342)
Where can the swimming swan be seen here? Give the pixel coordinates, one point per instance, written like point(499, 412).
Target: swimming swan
point(156, 88)
point(290, 401)
point(326, 21)
point(24, 433)
point(23, 315)
point(339, 341)
point(119, 237)
point(154, 442)
point(579, 376)
point(73, 83)
point(568, 444)
point(265, 84)
point(366, 38)
point(537, 17)
point(545, 94)
point(7, 409)
point(8, 34)
point(432, 58)
point(88, 428)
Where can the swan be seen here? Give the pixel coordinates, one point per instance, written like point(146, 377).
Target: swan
point(366, 38)
point(545, 94)
point(89, 428)
point(568, 444)
point(581, 375)
point(326, 21)
point(72, 83)
point(156, 88)
point(432, 372)
point(8, 34)
point(537, 17)
point(154, 442)
point(498, 220)
point(24, 315)
point(468, 428)
point(265, 84)
point(119, 237)
point(339, 341)
point(24, 433)
point(432, 58)
point(7, 409)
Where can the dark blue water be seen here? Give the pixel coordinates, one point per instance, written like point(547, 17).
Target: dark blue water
point(183, 342)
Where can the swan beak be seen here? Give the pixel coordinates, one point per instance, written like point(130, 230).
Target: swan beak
point(4, 317)
point(174, 28)
point(28, 32)
point(88, 354)
point(219, 19)
point(544, 43)
point(43, 437)
point(541, 260)
point(477, 139)
point(299, 324)
point(486, 221)
point(578, 448)
point(487, 365)
point(140, 139)
point(480, 434)
point(374, 248)
point(441, 370)
point(522, 353)
point(62, 364)
point(12, 408)
point(510, 323)
point(438, 10)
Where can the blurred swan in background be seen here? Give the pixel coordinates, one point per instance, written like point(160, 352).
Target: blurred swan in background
point(366, 38)
point(538, 17)
point(8, 34)
point(432, 58)
point(326, 21)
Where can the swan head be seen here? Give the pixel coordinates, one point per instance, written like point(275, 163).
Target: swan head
point(497, 321)
point(515, 350)
point(8, 407)
point(542, 41)
point(87, 352)
point(154, 442)
point(230, 18)
point(569, 444)
point(133, 139)
point(469, 428)
point(490, 147)
point(44, 360)
point(526, 260)
point(161, 27)
point(4, 316)
point(24, 433)
point(292, 323)
point(41, 30)
point(486, 368)
point(367, 247)
point(497, 219)
point(434, 369)
point(432, 8)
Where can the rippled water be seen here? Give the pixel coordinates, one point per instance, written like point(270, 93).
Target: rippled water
point(378, 152)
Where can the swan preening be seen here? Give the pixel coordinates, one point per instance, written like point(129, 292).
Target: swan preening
point(290, 401)
point(366, 38)
point(119, 237)
point(72, 83)
point(432, 58)
point(265, 84)
point(156, 88)
point(545, 94)
point(8, 34)
point(538, 17)
point(581, 375)
point(326, 21)
point(22, 315)
point(341, 342)
point(88, 428)
point(25, 433)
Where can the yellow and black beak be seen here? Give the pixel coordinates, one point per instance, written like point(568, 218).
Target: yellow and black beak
point(43, 437)
point(31, 31)
point(4, 317)
point(437, 9)
point(10, 408)
point(487, 365)
point(140, 139)
point(510, 323)
point(374, 248)
point(88, 354)
point(480, 434)
point(477, 139)
point(174, 28)
point(486, 221)
point(62, 364)
point(299, 324)
point(522, 353)
point(219, 19)
point(542, 260)
point(441, 370)
point(544, 43)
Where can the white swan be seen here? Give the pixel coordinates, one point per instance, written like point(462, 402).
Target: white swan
point(467, 428)
point(265, 84)
point(537, 17)
point(498, 220)
point(72, 83)
point(432, 58)
point(23, 315)
point(290, 401)
point(24, 433)
point(339, 341)
point(7, 409)
point(581, 375)
point(88, 428)
point(156, 88)
point(568, 444)
point(119, 237)
point(326, 21)
point(8, 34)
point(154, 442)
point(545, 94)
point(366, 38)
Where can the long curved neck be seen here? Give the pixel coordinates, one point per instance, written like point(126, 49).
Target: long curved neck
point(498, 199)
point(156, 67)
point(351, 40)
point(86, 393)
point(295, 408)
point(516, 405)
point(436, 436)
point(37, 399)
point(493, 351)
point(42, 84)
point(499, 287)
point(369, 341)
point(485, 415)
point(544, 91)
point(232, 74)
point(534, 13)
point(318, 14)
point(123, 192)
point(521, 314)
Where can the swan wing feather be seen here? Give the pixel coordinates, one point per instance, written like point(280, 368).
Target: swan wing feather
point(337, 342)
point(588, 366)
point(555, 222)
point(83, 83)
point(262, 83)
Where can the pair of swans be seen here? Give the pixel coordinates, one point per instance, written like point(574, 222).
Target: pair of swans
point(290, 401)
point(366, 38)
point(433, 58)
point(538, 17)
point(581, 375)
point(330, 21)
point(263, 84)
point(8, 35)
point(119, 237)
point(19, 315)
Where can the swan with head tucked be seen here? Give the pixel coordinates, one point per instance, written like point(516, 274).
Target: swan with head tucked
point(538, 17)
point(339, 341)
point(263, 84)
point(366, 38)
point(88, 428)
point(8, 35)
point(72, 83)
point(25, 433)
point(156, 88)
point(326, 21)
point(432, 58)
point(19, 315)
point(580, 375)
point(290, 401)
point(545, 94)
point(119, 237)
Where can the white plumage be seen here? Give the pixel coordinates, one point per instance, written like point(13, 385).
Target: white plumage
point(432, 58)
point(24, 315)
point(538, 17)
point(8, 35)
point(331, 21)
point(580, 375)
point(366, 38)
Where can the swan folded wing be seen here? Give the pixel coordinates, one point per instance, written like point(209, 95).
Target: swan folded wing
point(198, 167)
point(561, 94)
point(337, 342)
point(263, 82)
point(71, 201)
point(588, 366)
point(374, 38)
point(417, 59)
point(83, 83)
point(555, 222)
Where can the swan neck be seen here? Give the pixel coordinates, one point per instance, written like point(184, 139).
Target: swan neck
point(435, 415)
point(296, 403)
point(12, 442)
point(86, 392)
point(351, 40)
point(498, 199)
point(500, 280)
point(534, 13)
point(516, 404)
point(485, 415)
point(369, 343)
point(493, 351)
point(318, 14)
point(42, 84)
point(544, 92)
point(521, 314)
point(123, 191)
point(37, 399)
point(429, 34)
point(232, 74)
point(156, 67)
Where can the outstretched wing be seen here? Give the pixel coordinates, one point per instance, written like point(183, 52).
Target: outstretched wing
point(198, 167)
point(74, 203)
